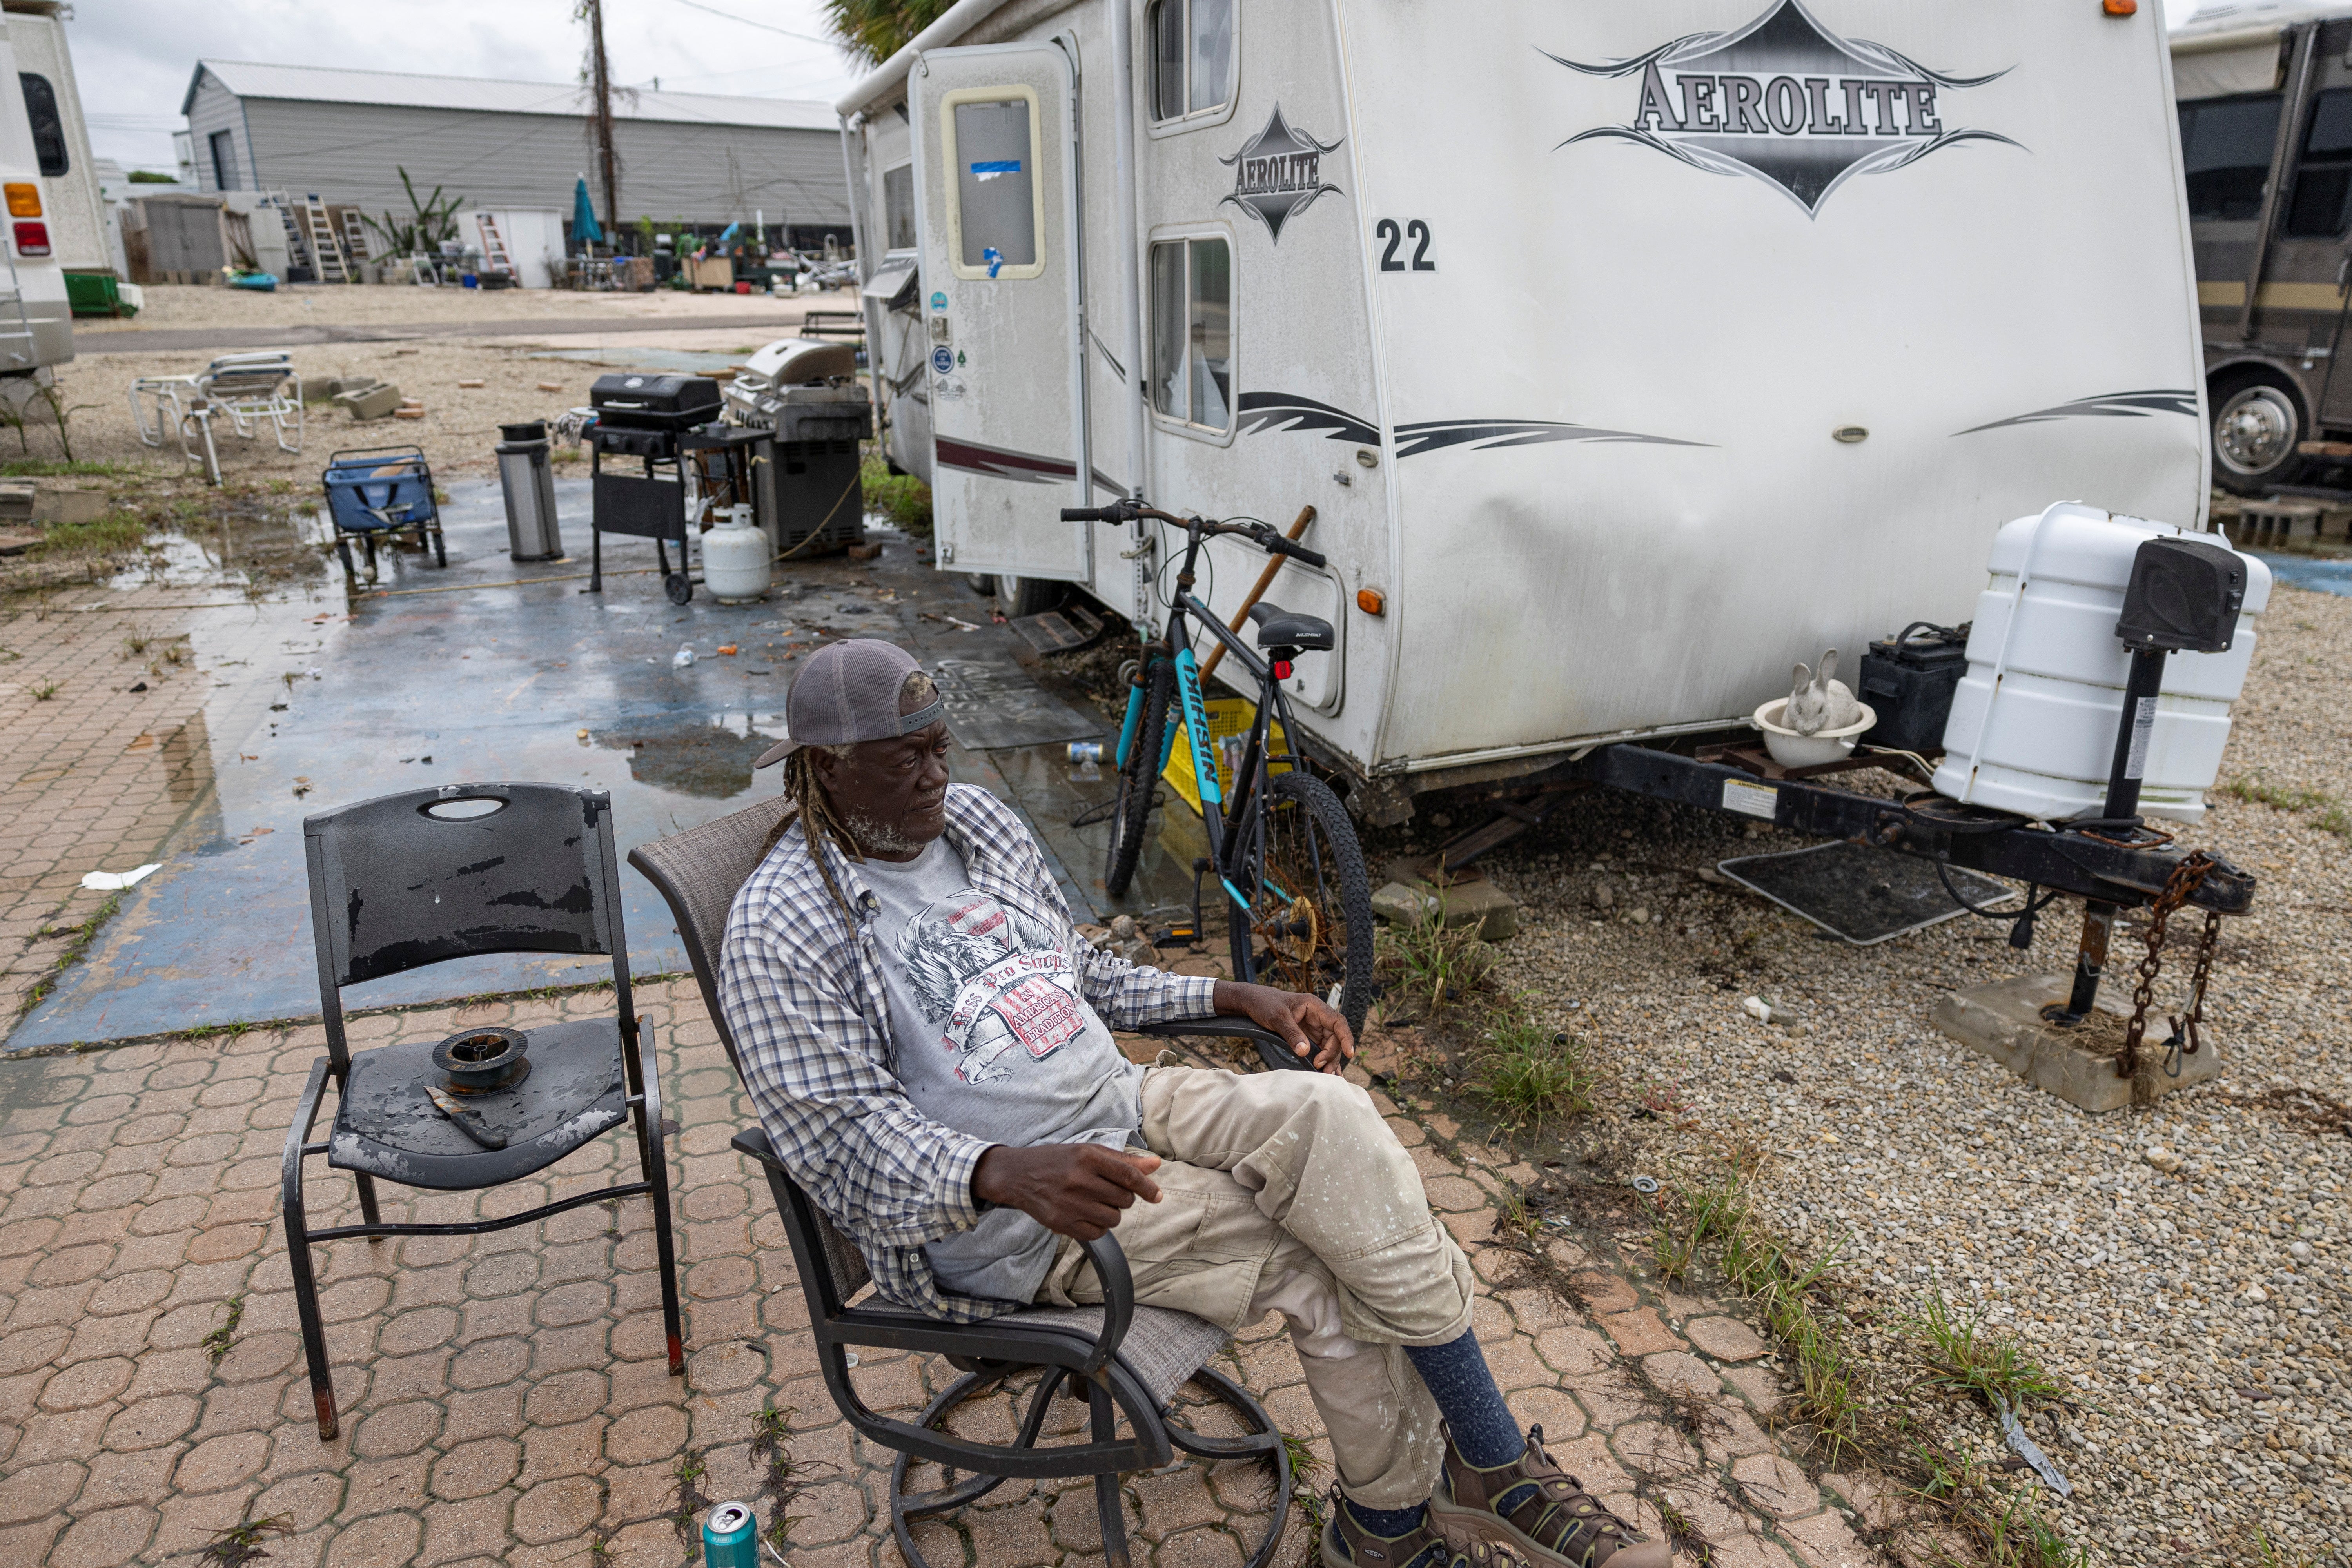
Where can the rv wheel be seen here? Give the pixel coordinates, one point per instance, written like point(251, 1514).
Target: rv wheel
point(2257, 423)
point(981, 583)
point(1019, 596)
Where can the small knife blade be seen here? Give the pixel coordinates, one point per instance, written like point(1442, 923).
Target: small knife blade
point(467, 1121)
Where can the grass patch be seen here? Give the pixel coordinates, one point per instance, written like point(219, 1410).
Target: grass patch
point(241, 1542)
point(44, 691)
point(2327, 813)
point(223, 1338)
point(905, 499)
point(107, 535)
point(1431, 966)
point(52, 467)
point(1532, 1074)
point(1966, 1357)
point(1853, 1420)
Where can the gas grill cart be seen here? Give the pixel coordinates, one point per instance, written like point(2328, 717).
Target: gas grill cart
point(666, 422)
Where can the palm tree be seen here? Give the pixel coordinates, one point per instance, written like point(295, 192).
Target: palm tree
point(874, 30)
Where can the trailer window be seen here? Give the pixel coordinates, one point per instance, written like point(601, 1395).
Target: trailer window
point(1191, 57)
point(995, 203)
point(2323, 176)
point(1193, 331)
point(49, 125)
point(2225, 151)
point(898, 206)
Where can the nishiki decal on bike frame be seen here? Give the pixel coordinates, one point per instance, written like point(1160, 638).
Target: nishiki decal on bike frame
point(1279, 173)
point(1789, 102)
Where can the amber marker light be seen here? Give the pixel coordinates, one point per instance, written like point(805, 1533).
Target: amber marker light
point(1371, 601)
point(2120, 7)
point(24, 201)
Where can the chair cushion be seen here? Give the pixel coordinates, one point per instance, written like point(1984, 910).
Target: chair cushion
point(385, 1126)
point(1162, 1347)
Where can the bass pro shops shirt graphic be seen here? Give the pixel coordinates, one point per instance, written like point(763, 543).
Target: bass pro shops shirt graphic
point(1786, 100)
point(991, 981)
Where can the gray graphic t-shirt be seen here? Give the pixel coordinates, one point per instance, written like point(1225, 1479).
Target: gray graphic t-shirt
point(995, 1041)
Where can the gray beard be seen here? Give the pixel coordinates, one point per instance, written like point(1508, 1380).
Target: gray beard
point(875, 838)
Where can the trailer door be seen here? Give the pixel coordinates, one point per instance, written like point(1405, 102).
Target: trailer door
point(995, 158)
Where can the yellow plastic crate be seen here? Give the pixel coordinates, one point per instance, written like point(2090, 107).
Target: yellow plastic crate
point(1228, 716)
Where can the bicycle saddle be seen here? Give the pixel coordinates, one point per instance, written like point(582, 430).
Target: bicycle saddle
point(1277, 627)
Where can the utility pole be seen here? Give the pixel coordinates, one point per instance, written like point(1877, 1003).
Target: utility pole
point(601, 84)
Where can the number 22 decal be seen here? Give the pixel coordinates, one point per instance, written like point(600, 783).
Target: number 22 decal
point(1413, 230)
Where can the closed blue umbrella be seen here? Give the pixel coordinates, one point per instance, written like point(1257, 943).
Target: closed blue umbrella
point(585, 228)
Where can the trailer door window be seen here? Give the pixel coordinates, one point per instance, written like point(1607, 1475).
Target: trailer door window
point(1191, 57)
point(49, 125)
point(2323, 176)
point(898, 206)
point(2225, 151)
point(994, 204)
point(1193, 331)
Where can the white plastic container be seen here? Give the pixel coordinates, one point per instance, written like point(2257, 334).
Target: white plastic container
point(735, 558)
point(1791, 750)
point(2033, 722)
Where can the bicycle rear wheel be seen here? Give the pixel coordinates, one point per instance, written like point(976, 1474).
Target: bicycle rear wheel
point(1309, 926)
point(1138, 779)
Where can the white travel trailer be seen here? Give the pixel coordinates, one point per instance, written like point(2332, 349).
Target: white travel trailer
point(36, 321)
point(1627, 352)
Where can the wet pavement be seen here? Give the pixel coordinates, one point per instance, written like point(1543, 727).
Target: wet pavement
point(490, 670)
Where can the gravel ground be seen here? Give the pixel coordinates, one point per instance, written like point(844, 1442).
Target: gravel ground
point(2198, 1306)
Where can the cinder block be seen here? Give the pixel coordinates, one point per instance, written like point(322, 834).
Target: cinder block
point(2003, 1021)
point(1469, 900)
point(377, 402)
point(53, 505)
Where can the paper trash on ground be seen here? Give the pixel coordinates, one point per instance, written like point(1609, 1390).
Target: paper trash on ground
point(115, 881)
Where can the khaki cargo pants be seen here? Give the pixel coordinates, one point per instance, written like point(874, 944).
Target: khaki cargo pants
point(1285, 1192)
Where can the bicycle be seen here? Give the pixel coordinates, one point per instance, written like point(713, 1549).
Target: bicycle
point(1282, 848)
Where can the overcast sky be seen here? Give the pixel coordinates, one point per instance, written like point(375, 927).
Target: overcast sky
point(133, 57)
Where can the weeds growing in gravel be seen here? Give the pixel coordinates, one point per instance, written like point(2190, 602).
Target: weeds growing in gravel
point(1430, 965)
point(2326, 812)
point(1966, 1357)
point(1532, 1074)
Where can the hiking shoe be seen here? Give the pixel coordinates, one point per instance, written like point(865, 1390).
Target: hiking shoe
point(1346, 1544)
point(1542, 1510)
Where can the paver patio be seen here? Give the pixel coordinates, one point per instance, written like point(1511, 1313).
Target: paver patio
point(505, 1398)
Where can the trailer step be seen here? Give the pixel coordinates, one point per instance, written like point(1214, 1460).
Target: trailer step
point(1859, 893)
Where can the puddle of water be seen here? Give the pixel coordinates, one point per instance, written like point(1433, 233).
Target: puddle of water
point(707, 756)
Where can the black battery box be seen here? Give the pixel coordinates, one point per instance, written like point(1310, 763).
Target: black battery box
point(1908, 680)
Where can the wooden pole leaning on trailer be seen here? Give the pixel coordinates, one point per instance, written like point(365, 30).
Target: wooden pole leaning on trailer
point(1265, 580)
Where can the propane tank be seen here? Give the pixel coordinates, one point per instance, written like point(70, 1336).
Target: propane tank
point(735, 558)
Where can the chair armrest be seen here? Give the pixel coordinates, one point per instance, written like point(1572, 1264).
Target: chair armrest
point(1104, 1251)
point(1271, 1050)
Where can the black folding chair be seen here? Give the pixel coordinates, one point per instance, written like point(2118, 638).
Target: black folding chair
point(430, 875)
point(1128, 1360)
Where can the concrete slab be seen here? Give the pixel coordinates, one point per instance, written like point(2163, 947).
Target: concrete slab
point(1467, 896)
point(494, 670)
point(2003, 1021)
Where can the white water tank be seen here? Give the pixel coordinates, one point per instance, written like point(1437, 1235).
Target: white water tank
point(735, 558)
point(2033, 722)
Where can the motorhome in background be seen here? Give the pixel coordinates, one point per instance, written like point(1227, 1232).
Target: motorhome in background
point(2265, 97)
point(36, 321)
point(75, 211)
point(1627, 355)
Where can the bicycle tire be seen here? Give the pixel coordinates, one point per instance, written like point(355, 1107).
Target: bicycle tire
point(1338, 949)
point(1138, 780)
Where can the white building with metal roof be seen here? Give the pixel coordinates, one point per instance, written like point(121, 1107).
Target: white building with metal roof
point(345, 135)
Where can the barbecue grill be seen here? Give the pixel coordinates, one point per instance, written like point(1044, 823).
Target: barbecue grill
point(655, 419)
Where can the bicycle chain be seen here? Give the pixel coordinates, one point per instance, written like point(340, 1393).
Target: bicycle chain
point(2186, 878)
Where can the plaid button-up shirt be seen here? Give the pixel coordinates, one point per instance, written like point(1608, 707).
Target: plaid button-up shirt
point(801, 989)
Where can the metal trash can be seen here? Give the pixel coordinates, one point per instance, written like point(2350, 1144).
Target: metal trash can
point(529, 483)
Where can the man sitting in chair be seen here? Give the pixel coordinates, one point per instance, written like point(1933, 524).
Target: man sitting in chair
point(927, 1041)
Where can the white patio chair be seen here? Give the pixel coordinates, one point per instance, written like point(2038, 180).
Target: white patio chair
point(245, 389)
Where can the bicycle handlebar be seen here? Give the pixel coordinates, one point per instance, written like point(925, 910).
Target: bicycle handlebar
point(1258, 533)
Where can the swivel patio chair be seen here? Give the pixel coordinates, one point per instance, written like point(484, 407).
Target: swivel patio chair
point(247, 390)
point(1128, 1360)
point(430, 875)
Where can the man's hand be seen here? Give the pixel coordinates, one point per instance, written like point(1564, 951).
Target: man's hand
point(1308, 1025)
point(1071, 1189)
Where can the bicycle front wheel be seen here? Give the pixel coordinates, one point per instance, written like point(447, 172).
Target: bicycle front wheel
point(1138, 779)
point(1309, 927)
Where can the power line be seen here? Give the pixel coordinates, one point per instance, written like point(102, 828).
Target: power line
point(763, 26)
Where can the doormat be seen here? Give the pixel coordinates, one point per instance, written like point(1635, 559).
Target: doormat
point(1860, 893)
point(994, 703)
point(1059, 631)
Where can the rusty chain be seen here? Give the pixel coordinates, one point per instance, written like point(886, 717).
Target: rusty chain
point(2186, 878)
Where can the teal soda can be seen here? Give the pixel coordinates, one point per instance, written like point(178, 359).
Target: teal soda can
point(731, 1536)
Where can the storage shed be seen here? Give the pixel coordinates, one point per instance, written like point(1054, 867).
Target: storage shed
point(345, 135)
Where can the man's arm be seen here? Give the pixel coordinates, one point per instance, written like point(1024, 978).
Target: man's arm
point(839, 1120)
